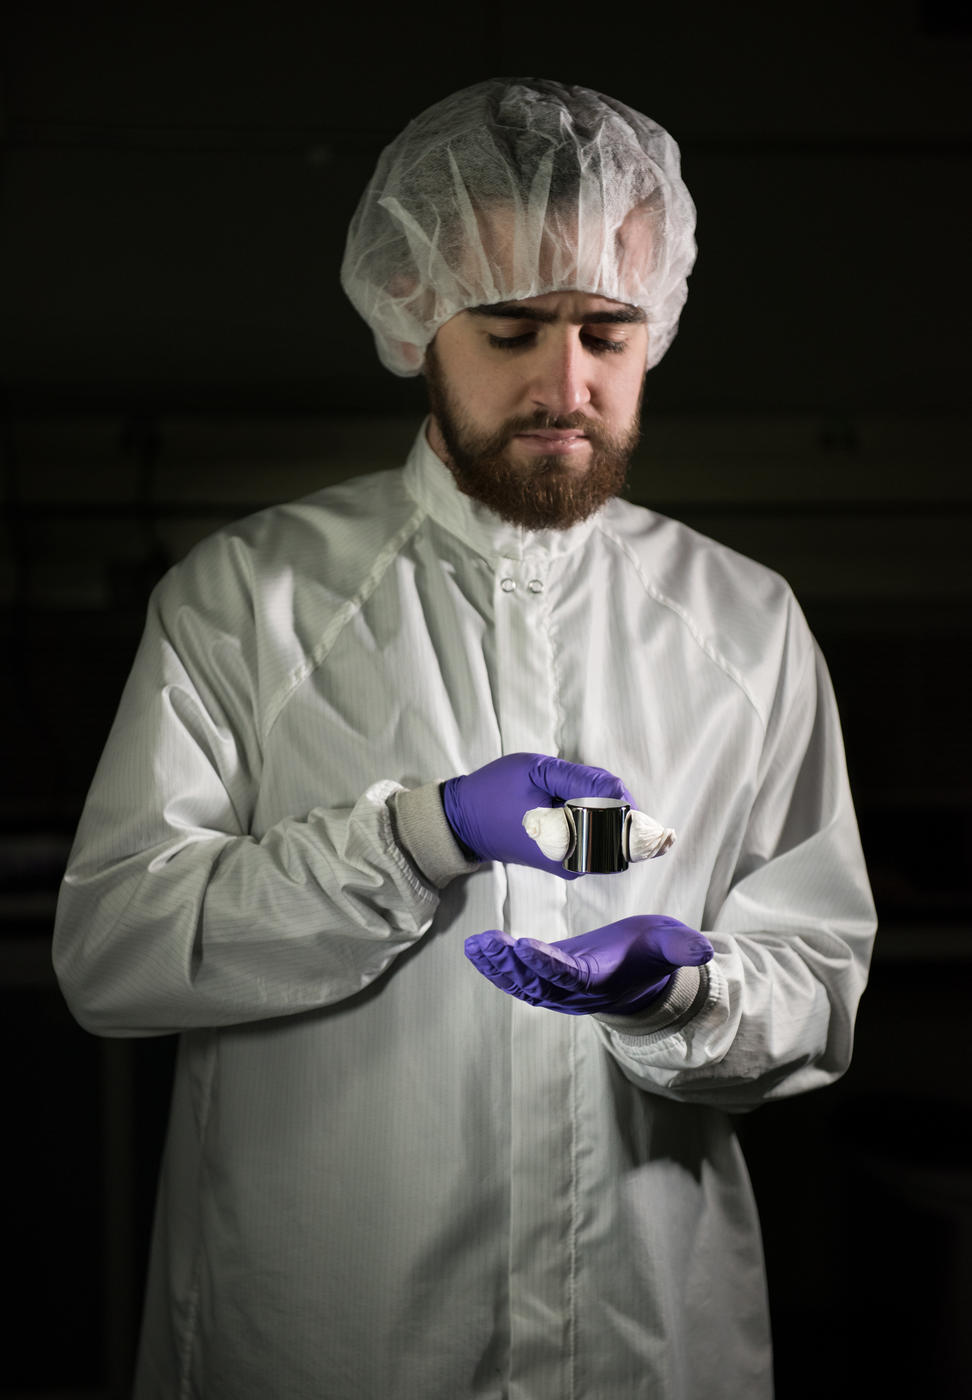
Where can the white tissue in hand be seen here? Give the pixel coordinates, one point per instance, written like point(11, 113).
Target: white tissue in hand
point(550, 828)
point(647, 838)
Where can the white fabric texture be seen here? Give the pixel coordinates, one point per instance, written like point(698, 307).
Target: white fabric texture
point(383, 1176)
point(513, 188)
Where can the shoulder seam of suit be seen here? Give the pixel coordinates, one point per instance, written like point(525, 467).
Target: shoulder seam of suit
point(701, 640)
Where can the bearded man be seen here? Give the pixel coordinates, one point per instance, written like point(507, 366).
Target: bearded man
point(451, 1119)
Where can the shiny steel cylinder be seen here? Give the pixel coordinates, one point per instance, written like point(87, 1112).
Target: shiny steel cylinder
point(598, 825)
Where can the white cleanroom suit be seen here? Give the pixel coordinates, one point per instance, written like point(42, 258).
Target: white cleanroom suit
point(382, 1176)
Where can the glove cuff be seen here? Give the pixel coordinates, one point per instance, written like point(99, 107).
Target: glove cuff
point(426, 837)
point(674, 1004)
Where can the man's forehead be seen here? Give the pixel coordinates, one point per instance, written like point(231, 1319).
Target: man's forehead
point(577, 308)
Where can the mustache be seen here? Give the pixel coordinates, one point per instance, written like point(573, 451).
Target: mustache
point(549, 422)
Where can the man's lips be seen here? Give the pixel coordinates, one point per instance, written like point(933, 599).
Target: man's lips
point(553, 441)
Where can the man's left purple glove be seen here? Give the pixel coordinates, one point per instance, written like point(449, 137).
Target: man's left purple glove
point(618, 969)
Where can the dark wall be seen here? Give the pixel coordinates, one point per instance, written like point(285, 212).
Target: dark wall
point(175, 350)
point(178, 180)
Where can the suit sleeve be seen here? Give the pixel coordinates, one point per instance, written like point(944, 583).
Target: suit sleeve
point(773, 1013)
point(171, 914)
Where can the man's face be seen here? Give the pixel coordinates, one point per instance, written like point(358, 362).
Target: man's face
point(535, 404)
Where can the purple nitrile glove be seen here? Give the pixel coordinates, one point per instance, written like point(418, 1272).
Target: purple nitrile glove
point(485, 809)
point(619, 969)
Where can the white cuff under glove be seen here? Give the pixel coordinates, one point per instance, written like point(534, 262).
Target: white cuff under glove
point(424, 834)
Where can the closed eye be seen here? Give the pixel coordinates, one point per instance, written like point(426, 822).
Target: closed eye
point(512, 342)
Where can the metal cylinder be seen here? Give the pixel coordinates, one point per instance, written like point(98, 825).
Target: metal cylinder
point(598, 825)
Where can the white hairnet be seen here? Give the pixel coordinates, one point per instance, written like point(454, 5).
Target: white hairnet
point(514, 188)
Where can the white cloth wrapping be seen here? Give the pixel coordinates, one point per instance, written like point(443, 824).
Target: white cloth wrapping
point(551, 828)
point(382, 1176)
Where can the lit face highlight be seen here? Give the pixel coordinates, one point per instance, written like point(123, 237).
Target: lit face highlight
point(535, 404)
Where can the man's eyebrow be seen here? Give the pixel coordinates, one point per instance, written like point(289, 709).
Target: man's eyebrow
point(629, 316)
point(512, 311)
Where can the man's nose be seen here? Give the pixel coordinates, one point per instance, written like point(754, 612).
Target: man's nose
point(561, 378)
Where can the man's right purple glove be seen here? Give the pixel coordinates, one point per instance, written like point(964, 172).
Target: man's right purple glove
point(620, 969)
point(485, 809)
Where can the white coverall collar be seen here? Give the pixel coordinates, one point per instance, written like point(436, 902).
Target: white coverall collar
point(431, 483)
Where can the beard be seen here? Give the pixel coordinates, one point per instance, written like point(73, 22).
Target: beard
point(546, 493)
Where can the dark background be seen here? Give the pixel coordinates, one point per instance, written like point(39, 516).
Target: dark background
point(175, 186)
